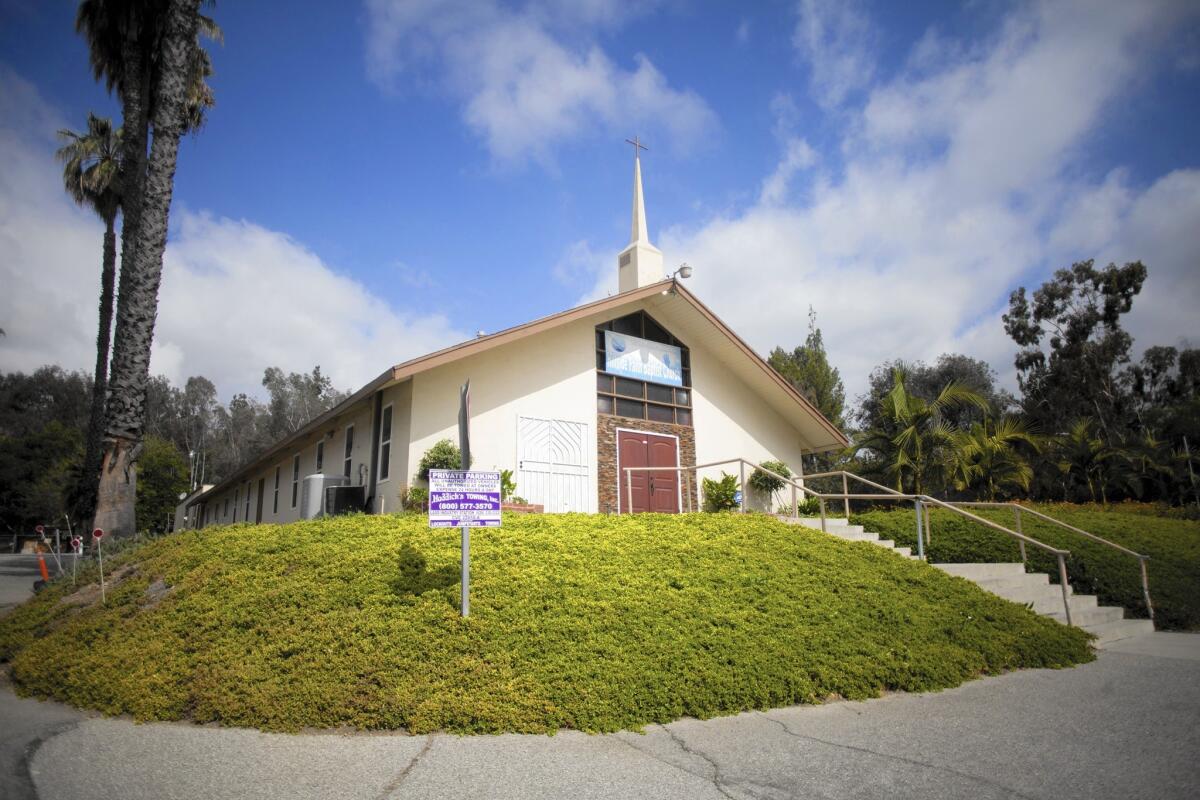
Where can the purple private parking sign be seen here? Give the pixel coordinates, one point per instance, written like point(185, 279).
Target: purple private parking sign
point(464, 499)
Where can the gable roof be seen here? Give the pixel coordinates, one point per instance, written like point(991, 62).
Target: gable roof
point(700, 324)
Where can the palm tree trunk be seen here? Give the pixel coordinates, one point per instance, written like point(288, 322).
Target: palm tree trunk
point(95, 435)
point(139, 284)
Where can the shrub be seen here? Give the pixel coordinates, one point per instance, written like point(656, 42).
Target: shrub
point(443, 455)
point(769, 484)
point(720, 495)
point(507, 485)
point(590, 622)
point(1173, 546)
point(414, 498)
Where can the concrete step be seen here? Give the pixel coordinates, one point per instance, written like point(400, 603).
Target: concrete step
point(1120, 629)
point(1053, 604)
point(1083, 617)
point(888, 543)
point(1024, 580)
point(904, 551)
point(973, 572)
point(854, 536)
point(1040, 596)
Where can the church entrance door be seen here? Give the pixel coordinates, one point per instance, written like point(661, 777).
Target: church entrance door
point(656, 491)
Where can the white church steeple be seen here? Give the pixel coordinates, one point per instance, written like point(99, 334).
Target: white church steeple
point(641, 263)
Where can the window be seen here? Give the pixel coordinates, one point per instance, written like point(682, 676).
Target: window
point(295, 479)
point(629, 397)
point(385, 443)
point(348, 452)
point(275, 504)
point(320, 455)
point(237, 495)
point(225, 513)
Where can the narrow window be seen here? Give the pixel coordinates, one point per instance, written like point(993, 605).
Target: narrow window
point(320, 455)
point(385, 443)
point(348, 453)
point(275, 505)
point(225, 513)
point(295, 478)
point(246, 516)
point(237, 495)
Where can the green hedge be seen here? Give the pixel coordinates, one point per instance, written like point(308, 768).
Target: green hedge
point(1172, 544)
point(589, 622)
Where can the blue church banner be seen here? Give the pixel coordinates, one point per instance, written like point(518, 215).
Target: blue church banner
point(631, 357)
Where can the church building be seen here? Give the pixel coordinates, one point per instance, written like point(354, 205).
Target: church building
point(646, 377)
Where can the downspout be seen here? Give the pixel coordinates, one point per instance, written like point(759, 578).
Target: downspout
point(376, 419)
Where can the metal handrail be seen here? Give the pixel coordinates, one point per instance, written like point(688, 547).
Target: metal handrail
point(1018, 509)
point(920, 501)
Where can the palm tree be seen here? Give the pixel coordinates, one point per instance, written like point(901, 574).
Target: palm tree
point(92, 176)
point(991, 451)
point(141, 273)
point(1083, 453)
point(915, 439)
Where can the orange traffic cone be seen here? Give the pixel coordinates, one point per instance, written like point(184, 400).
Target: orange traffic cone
point(42, 567)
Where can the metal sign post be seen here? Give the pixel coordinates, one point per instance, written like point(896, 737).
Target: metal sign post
point(464, 447)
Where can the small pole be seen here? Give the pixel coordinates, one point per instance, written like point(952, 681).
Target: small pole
point(795, 507)
point(846, 498)
point(1020, 542)
point(97, 536)
point(1146, 587)
point(920, 542)
point(464, 448)
point(742, 485)
point(687, 487)
point(1062, 577)
point(823, 529)
point(928, 514)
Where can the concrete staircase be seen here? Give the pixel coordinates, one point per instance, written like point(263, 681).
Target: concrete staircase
point(841, 528)
point(1011, 582)
point(1034, 589)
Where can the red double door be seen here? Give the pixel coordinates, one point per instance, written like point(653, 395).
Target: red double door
point(650, 490)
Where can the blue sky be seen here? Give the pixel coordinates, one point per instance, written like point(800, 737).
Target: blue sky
point(384, 178)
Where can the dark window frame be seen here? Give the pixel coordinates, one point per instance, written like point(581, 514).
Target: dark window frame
point(643, 326)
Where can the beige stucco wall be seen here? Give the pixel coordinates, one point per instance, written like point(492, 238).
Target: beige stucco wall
point(552, 376)
point(731, 422)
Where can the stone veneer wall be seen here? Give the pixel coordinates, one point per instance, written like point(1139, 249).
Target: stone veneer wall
point(606, 450)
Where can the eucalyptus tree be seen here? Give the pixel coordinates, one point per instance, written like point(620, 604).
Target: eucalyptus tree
point(141, 270)
point(913, 438)
point(92, 177)
point(992, 453)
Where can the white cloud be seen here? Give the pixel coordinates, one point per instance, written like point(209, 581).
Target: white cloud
point(836, 40)
point(959, 182)
point(235, 297)
point(530, 79)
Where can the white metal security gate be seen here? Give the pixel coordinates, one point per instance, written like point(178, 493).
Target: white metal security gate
point(552, 463)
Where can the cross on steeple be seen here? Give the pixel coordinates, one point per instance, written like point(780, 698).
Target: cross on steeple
point(637, 145)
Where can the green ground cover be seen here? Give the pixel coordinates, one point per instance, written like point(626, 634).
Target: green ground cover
point(589, 622)
point(1172, 544)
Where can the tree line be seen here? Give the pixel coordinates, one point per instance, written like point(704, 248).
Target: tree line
point(190, 439)
point(1090, 424)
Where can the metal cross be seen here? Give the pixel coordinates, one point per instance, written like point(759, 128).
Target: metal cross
point(637, 145)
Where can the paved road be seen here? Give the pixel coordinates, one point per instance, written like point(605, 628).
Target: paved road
point(17, 574)
point(1125, 726)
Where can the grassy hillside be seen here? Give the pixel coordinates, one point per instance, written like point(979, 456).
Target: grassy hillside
point(1172, 544)
point(589, 622)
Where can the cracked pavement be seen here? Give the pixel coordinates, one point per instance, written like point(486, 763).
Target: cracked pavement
point(1127, 725)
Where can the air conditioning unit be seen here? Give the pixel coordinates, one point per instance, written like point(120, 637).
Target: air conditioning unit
point(312, 493)
point(344, 499)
